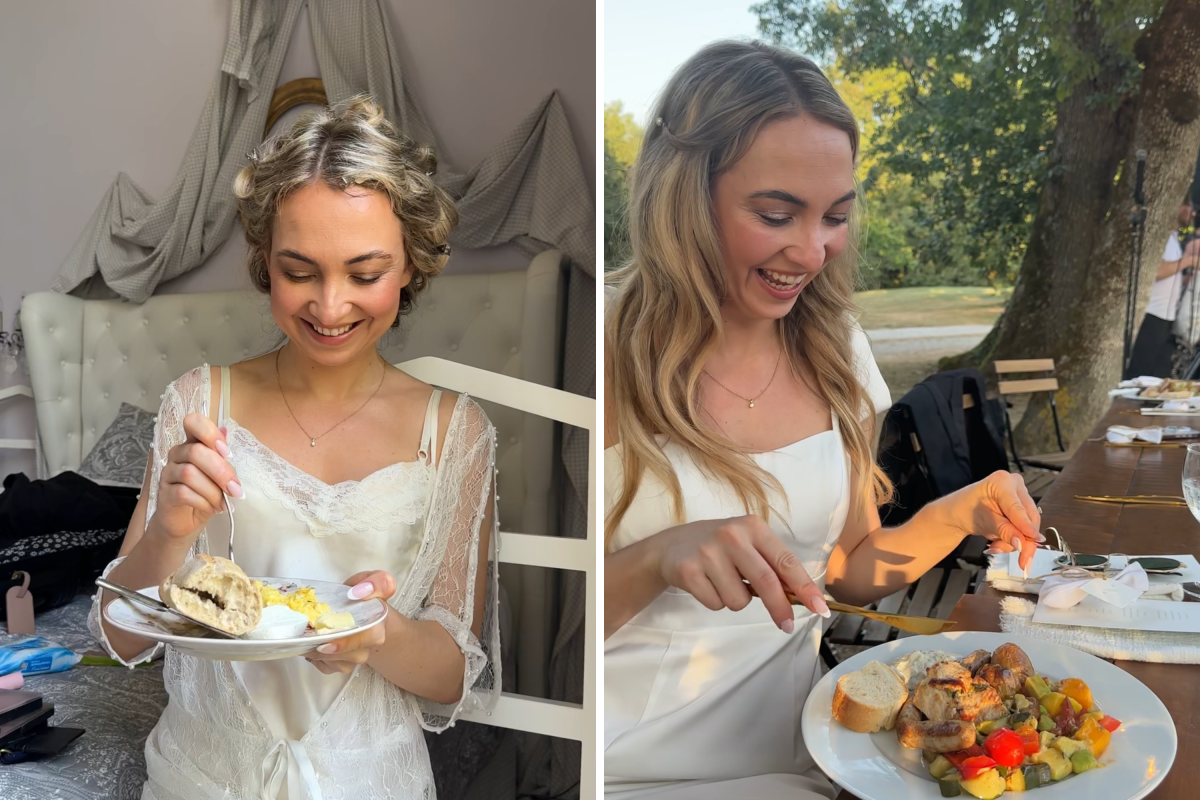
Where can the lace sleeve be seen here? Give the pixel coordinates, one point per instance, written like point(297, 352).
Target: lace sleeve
point(459, 512)
point(187, 394)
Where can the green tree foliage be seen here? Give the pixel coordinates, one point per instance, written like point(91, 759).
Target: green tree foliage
point(621, 132)
point(971, 122)
point(616, 200)
point(622, 139)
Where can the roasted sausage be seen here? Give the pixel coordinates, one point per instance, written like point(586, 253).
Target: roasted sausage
point(936, 737)
point(1012, 657)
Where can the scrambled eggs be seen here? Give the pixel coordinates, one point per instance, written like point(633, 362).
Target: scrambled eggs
point(304, 600)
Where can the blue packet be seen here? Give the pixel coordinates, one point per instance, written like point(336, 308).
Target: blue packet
point(33, 655)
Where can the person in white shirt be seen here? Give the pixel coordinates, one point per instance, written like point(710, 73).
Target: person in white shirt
point(1155, 345)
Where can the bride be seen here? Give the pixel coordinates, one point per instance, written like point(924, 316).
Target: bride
point(739, 408)
point(337, 467)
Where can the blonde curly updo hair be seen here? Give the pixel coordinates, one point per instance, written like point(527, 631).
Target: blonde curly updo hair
point(349, 143)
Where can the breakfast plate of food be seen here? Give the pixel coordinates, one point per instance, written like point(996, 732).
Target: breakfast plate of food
point(976, 714)
point(210, 608)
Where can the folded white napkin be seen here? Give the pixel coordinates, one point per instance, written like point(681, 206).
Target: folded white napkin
point(1143, 382)
point(1016, 616)
point(1190, 404)
point(1122, 434)
point(1059, 591)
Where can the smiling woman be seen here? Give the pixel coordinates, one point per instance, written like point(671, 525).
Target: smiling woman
point(340, 468)
point(739, 412)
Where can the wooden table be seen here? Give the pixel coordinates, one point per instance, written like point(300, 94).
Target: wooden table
point(1134, 530)
point(1097, 469)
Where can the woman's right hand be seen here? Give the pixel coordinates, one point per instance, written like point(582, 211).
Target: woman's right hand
point(190, 488)
point(713, 559)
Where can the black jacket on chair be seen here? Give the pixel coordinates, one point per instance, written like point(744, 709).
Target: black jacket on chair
point(932, 445)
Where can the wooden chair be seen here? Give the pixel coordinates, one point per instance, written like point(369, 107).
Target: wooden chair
point(934, 595)
point(1045, 383)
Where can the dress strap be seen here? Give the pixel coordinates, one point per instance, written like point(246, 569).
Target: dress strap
point(223, 408)
point(429, 432)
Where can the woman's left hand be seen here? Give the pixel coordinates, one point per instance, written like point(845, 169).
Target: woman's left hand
point(1000, 509)
point(343, 655)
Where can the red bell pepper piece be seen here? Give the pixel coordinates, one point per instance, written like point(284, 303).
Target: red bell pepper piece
point(975, 766)
point(1030, 739)
point(1108, 723)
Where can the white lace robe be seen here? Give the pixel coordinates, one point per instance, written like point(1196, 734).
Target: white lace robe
point(212, 743)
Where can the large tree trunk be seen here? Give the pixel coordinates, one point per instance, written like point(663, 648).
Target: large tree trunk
point(1069, 301)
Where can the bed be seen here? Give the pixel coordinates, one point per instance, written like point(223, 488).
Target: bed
point(87, 357)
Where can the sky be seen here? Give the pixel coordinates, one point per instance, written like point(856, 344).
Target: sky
point(645, 40)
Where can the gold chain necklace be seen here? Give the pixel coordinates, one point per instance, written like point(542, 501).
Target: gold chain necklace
point(312, 440)
point(749, 400)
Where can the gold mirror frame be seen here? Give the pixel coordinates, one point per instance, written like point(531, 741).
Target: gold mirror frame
point(302, 91)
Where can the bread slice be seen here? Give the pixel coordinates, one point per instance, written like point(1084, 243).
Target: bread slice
point(868, 700)
point(214, 591)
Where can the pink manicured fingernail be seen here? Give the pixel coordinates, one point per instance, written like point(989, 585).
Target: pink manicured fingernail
point(787, 626)
point(327, 649)
point(222, 448)
point(234, 488)
point(821, 607)
point(360, 590)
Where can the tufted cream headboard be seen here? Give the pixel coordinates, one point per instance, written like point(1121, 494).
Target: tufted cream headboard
point(86, 357)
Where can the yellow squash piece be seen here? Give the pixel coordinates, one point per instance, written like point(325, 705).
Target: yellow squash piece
point(1052, 703)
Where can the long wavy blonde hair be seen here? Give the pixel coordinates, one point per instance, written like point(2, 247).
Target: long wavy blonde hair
point(665, 318)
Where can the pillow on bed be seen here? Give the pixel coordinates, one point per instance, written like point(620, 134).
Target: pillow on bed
point(119, 457)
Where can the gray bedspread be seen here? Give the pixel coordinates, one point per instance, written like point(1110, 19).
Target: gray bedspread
point(115, 705)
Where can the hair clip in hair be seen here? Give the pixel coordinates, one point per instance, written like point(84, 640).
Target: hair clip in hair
point(428, 174)
point(658, 121)
point(253, 156)
point(443, 249)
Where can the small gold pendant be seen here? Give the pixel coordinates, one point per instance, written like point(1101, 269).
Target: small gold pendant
point(752, 404)
point(313, 443)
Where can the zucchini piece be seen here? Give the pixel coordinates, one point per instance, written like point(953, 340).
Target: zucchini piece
point(1036, 775)
point(987, 786)
point(1020, 718)
point(939, 767)
point(1022, 703)
point(950, 787)
point(1069, 747)
point(1082, 761)
point(991, 725)
point(1060, 767)
point(1015, 782)
point(1036, 686)
point(1045, 723)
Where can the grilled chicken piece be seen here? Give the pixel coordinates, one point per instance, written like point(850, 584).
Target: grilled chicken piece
point(976, 660)
point(1013, 658)
point(950, 693)
point(1003, 680)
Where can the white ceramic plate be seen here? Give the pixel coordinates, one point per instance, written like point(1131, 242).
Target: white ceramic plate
point(876, 767)
point(189, 639)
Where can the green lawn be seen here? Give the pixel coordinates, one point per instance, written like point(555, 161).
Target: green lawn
point(930, 306)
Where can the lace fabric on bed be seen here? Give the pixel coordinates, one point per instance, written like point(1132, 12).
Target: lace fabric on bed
point(211, 741)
